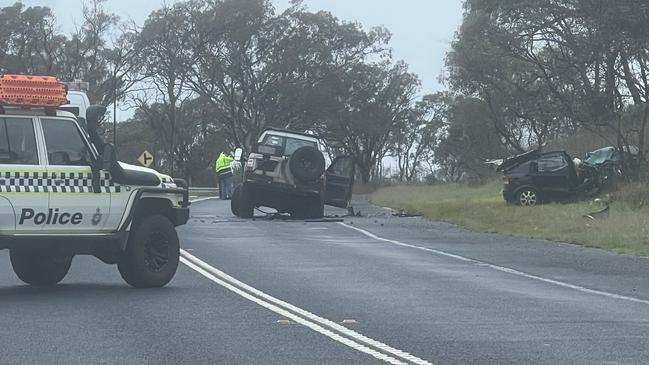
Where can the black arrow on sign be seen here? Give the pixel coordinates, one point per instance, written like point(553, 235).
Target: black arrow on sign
point(147, 158)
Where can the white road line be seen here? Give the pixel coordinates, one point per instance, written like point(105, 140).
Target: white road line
point(297, 319)
point(501, 268)
point(307, 318)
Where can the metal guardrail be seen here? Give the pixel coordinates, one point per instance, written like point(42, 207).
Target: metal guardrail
point(198, 191)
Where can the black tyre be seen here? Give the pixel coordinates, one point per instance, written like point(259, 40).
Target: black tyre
point(234, 202)
point(527, 197)
point(40, 266)
point(152, 253)
point(246, 202)
point(307, 164)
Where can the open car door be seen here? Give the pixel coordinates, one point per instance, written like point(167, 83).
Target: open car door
point(340, 180)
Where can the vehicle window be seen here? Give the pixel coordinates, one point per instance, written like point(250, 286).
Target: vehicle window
point(523, 168)
point(17, 142)
point(292, 144)
point(64, 143)
point(273, 140)
point(550, 163)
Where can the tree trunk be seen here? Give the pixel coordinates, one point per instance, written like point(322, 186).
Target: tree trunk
point(365, 173)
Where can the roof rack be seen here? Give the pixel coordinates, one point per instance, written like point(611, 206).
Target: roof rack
point(292, 131)
point(32, 91)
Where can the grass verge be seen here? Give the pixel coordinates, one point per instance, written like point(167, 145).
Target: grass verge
point(483, 209)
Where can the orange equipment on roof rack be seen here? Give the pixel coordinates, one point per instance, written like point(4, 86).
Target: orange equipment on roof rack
point(32, 91)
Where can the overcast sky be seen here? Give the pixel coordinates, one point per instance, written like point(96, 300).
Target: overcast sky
point(421, 29)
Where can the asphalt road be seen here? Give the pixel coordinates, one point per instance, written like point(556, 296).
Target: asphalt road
point(376, 289)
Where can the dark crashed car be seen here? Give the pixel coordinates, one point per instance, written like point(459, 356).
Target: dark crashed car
point(535, 177)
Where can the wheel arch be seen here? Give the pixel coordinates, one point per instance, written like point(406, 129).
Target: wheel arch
point(148, 205)
point(146, 200)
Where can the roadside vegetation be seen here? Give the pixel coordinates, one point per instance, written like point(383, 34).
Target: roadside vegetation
point(483, 209)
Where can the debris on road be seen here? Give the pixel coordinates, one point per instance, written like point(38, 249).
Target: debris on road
point(288, 217)
point(404, 214)
point(351, 213)
point(601, 214)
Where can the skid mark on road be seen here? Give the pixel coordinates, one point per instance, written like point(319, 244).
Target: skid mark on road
point(319, 324)
point(500, 268)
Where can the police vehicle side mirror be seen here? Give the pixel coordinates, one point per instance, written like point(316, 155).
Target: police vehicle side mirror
point(237, 154)
point(108, 157)
point(94, 117)
point(106, 162)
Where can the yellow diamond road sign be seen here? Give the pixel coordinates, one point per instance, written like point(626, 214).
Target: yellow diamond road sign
point(146, 159)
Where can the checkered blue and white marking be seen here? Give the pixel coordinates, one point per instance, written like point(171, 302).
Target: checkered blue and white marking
point(61, 182)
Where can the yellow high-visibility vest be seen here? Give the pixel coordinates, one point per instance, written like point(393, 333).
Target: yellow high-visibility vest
point(223, 162)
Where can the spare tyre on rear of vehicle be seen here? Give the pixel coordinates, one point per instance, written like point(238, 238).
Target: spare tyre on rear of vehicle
point(307, 164)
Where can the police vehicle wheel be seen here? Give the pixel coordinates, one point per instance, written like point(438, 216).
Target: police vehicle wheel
point(39, 267)
point(234, 202)
point(246, 203)
point(152, 253)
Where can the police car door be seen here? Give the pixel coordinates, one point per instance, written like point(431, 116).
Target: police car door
point(74, 206)
point(22, 174)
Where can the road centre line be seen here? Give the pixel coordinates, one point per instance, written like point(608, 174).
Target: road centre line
point(500, 268)
point(334, 331)
point(287, 314)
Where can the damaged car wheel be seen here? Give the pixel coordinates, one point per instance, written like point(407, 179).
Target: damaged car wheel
point(527, 197)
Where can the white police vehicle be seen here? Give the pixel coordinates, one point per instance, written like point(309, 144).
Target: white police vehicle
point(63, 193)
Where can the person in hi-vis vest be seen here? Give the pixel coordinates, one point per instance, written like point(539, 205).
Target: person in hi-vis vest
point(224, 172)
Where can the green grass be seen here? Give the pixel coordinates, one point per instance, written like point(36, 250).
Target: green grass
point(483, 209)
